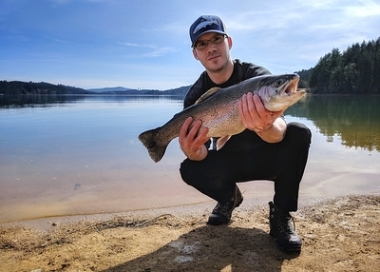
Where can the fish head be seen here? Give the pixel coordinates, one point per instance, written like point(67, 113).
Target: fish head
point(278, 92)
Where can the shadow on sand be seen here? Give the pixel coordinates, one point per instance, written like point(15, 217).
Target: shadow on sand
point(210, 248)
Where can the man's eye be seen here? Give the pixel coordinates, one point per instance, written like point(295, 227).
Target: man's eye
point(201, 44)
point(217, 39)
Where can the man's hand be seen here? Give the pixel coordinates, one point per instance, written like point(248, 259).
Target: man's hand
point(192, 138)
point(256, 117)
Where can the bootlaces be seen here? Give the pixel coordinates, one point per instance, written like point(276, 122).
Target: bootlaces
point(283, 223)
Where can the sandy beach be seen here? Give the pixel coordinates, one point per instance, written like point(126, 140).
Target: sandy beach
point(339, 234)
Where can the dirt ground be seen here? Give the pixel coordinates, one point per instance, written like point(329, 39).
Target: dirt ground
point(338, 235)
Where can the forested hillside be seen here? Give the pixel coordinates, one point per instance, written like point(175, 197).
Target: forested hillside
point(19, 87)
point(42, 88)
point(354, 71)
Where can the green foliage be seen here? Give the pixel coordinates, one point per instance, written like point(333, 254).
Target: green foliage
point(356, 70)
point(41, 88)
point(16, 88)
point(305, 76)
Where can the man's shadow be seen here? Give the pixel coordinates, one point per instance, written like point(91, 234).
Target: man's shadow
point(211, 248)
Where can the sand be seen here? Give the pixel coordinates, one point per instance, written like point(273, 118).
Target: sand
point(340, 234)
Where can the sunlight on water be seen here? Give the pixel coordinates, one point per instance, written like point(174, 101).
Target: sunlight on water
point(81, 155)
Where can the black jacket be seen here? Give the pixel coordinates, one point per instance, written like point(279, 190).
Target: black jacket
point(242, 71)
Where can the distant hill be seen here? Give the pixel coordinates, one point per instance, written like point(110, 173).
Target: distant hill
point(109, 89)
point(181, 91)
point(43, 88)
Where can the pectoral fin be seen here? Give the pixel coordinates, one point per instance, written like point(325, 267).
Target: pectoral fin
point(222, 141)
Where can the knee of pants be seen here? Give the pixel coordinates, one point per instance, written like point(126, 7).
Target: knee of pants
point(186, 172)
point(298, 132)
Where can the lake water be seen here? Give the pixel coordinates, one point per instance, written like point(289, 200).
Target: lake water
point(81, 155)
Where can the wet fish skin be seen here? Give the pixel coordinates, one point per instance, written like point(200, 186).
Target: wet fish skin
point(219, 112)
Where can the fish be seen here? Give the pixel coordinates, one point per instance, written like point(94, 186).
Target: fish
point(218, 110)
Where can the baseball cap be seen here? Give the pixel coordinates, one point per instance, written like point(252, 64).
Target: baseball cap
point(206, 24)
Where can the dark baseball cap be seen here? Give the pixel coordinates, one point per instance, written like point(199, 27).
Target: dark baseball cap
point(206, 24)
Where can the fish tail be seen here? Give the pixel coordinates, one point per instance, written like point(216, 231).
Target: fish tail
point(155, 150)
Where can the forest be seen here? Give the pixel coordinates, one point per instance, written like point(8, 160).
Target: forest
point(40, 88)
point(354, 71)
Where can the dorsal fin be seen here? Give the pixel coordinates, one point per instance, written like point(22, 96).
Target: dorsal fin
point(207, 94)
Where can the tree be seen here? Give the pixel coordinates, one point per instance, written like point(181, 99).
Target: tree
point(356, 70)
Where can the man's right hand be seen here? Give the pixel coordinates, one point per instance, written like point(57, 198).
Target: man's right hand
point(192, 139)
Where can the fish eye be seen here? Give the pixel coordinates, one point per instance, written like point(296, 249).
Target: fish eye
point(279, 82)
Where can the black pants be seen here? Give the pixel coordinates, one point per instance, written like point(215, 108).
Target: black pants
point(284, 163)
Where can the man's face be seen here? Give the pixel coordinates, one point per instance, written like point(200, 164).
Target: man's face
point(212, 50)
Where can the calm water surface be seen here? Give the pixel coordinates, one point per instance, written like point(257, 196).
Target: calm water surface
point(81, 155)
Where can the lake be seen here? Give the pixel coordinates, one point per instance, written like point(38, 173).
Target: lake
point(69, 155)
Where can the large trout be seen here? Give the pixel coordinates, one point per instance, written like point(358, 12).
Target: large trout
point(218, 110)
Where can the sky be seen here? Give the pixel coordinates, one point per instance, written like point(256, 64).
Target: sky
point(145, 44)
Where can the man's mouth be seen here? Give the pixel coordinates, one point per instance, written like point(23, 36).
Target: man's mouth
point(213, 57)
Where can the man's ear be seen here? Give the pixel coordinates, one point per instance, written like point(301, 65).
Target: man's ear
point(229, 39)
point(195, 54)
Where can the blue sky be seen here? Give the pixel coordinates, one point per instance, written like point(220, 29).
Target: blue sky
point(145, 44)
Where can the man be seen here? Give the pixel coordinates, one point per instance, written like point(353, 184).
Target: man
point(269, 149)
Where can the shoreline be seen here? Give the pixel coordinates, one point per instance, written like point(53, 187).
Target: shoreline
point(196, 209)
point(177, 239)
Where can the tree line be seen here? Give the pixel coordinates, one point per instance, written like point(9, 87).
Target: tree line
point(37, 88)
point(354, 71)
point(15, 88)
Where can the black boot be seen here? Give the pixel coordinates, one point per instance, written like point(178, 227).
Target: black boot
point(281, 228)
point(221, 215)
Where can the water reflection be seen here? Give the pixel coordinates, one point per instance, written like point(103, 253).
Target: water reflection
point(19, 101)
point(80, 154)
point(355, 119)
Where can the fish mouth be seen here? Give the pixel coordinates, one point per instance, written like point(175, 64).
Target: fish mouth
point(285, 93)
point(291, 86)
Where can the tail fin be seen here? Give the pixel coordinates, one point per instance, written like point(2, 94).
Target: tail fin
point(156, 152)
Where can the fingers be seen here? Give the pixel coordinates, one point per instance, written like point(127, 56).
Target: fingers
point(248, 109)
point(185, 128)
point(192, 135)
point(259, 107)
point(253, 113)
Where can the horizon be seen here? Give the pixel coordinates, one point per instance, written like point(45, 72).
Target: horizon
point(92, 44)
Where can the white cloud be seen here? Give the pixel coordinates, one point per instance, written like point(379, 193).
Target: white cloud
point(155, 51)
point(364, 9)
